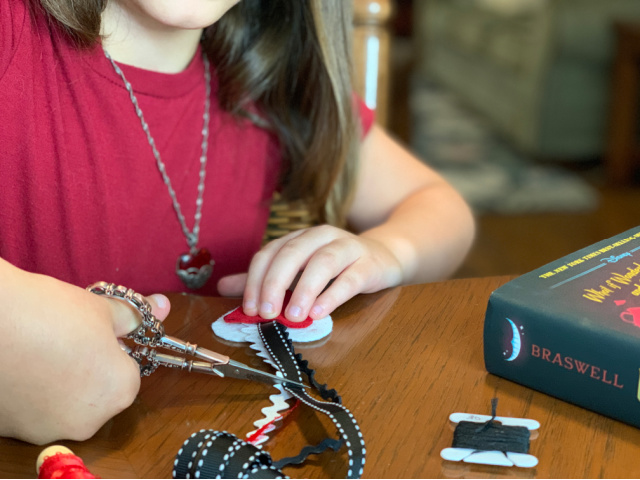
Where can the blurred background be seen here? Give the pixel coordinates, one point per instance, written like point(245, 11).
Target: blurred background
point(530, 108)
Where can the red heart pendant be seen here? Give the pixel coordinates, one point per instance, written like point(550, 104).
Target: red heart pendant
point(195, 268)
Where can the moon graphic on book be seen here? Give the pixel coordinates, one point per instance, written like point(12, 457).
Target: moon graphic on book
point(515, 342)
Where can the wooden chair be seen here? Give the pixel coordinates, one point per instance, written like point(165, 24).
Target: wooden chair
point(371, 46)
point(371, 51)
point(623, 147)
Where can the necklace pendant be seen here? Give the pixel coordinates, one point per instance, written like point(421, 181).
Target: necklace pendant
point(195, 268)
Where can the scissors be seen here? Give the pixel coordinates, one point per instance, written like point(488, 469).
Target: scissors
point(149, 336)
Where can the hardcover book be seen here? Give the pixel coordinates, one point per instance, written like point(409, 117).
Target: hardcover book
point(571, 329)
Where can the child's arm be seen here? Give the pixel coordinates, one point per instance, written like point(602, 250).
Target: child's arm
point(63, 372)
point(414, 228)
point(412, 210)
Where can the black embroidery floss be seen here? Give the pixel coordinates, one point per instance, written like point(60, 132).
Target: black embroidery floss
point(491, 435)
point(501, 441)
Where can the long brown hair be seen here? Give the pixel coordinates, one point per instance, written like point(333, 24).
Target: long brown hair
point(292, 60)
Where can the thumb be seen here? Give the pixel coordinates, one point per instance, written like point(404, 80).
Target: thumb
point(160, 306)
point(127, 318)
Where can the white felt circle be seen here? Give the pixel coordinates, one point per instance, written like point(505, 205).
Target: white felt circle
point(233, 331)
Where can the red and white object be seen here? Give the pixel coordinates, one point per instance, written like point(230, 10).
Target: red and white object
point(231, 324)
point(57, 461)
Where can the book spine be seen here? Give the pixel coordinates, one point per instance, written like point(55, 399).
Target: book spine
point(564, 357)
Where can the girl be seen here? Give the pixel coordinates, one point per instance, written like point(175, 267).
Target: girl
point(142, 141)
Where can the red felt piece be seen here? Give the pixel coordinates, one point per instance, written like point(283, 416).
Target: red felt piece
point(238, 316)
point(256, 435)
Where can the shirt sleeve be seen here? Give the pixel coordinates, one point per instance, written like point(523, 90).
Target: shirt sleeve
point(13, 14)
point(367, 116)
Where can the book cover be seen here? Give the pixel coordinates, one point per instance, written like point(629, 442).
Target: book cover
point(571, 329)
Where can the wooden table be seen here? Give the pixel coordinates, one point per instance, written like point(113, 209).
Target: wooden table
point(403, 360)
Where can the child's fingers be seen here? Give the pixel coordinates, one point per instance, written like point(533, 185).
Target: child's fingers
point(232, 285)
point(126, 318)
point(322, 243)
point(325, 264)
point(345, 286)
point(253, 302)
point(160, 305)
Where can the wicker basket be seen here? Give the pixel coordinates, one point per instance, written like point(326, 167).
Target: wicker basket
point(286, 217)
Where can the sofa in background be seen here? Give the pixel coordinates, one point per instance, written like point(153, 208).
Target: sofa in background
point(538, 70)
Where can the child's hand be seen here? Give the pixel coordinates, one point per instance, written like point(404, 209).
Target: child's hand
point(63, 372)
point(317, 255)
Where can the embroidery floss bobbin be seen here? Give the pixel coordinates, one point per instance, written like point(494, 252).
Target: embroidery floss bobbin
point(491, 440)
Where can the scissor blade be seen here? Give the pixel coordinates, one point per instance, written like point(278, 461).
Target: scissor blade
point(240, 370)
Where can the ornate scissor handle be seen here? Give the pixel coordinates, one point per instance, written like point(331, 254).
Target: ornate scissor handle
point(150, 332)
point(150, 335)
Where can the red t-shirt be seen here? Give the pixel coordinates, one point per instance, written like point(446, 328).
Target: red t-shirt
point(81, 198)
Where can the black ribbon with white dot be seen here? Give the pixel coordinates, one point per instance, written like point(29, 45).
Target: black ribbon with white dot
point(275, 338)
point(213, 454)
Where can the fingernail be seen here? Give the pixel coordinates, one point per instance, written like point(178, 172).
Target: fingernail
point(294, 311)
point(123, 346)
point(250, 305)
point(266, 307)
point(161, 300)
point(317, 310)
